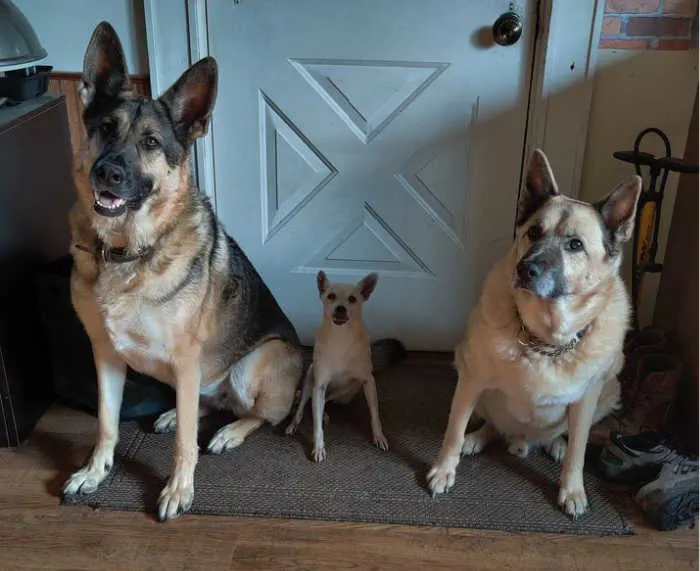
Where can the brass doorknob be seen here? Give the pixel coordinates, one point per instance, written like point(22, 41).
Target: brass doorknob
point(507, 29)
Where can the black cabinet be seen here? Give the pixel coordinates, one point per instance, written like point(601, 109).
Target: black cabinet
point(36, 193)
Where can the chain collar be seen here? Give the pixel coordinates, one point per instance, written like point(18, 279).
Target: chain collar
point(533, 343)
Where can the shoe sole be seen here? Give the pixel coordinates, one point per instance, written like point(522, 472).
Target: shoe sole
point(674, 513)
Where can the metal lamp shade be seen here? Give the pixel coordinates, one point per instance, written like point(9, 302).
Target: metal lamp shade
point(19, 44)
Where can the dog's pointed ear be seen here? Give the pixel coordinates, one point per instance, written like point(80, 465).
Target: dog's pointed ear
point(619, 208)
point(540, 186)
point(190, 99)
point(322, 282)
point(366, 285)
point(104, 66)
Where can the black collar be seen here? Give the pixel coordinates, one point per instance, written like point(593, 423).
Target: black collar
point(115, 255)
point(530, 341)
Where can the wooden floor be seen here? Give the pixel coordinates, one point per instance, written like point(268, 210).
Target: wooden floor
point(37, 533)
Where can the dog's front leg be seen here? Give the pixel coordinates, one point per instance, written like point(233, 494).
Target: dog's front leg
point(572, 494)
point(176, 498)
point(370, 389)
point(111, 375)
point(442, 475)
point(318, 403)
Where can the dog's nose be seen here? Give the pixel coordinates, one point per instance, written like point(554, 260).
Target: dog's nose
point(341, 309)
point(530, 270)
point(109, 173)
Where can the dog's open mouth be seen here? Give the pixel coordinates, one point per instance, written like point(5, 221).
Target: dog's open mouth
point(340, 319)
point(108, 204)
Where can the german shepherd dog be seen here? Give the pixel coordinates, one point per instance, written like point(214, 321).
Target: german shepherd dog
point(544, 344)
point(157, 282)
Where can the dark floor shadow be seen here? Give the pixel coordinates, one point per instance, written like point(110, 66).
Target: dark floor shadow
point(65, 455)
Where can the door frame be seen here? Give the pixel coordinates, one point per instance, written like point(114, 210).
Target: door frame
point(561, 84)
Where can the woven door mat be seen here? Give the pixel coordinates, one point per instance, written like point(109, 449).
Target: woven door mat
point(271, 474)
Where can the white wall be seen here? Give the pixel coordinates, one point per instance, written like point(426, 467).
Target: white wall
point(64, 28)
point(634, 90)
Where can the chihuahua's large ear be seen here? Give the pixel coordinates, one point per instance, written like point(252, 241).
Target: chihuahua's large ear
point(540, 186)
point(322, 282)
point(104, 67)
point(190, 99)
point(618, 212)
point(367, 284)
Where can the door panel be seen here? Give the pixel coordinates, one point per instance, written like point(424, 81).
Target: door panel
point(356, 137)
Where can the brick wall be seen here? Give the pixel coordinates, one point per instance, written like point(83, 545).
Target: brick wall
point(650, 25)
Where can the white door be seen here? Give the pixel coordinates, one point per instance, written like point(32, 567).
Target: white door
point(371, 135)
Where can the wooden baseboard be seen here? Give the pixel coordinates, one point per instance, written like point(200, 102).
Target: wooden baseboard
point(67, 83)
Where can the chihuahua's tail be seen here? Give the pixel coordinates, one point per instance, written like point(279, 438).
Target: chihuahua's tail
point(387, 352)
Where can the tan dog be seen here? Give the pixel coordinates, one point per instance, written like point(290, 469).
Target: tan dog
point(544, 344)
point(157, 282)
point(342, 363)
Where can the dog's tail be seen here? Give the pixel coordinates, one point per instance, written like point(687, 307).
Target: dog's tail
point(387, 352)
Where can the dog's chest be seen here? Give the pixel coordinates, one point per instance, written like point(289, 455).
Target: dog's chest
point(537, 396)
point(342, 363)
point(140, 335)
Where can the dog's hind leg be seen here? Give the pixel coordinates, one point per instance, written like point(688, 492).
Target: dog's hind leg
point(265, 382)
point(111, 376)
point(232, 435)
point(556, 449)
point(476, 441)
point(519, 447)
point(167, 421)
point(306, 389)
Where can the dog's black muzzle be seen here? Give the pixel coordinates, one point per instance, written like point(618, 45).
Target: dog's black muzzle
point(115, 187)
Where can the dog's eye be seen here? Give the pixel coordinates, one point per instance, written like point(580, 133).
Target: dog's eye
point(574, 245)
point(534, 232)
point(352, 299)
point(331, 296)
point(107, 128)
point(150, 143)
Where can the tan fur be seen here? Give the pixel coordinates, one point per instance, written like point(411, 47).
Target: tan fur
point(530, 398)
point(183, 341)
point(342, 362)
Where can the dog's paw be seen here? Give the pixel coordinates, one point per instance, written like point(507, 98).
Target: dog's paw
point(176, 498)
point(519, 448)
point(319, 452)
point(380, 441)
point(573, 501)
point(166, 422)
point(86, 480)
point(441, 478)
point(474, 442)
point(292, 428)
point(227, 438)
point(556, 449)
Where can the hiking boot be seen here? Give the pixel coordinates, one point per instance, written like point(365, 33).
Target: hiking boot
point(640, 344)
point(671, 500)
point(635, 459)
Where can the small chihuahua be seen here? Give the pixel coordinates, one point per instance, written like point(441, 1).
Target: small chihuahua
point(342, 362)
